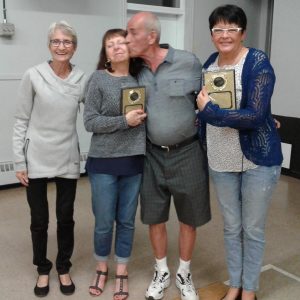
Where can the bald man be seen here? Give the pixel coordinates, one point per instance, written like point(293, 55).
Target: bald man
point(175, 164)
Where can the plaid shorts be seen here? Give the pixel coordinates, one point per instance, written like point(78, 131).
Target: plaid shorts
point(181, 173)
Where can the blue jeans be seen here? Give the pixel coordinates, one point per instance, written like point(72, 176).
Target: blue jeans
point(114, 199)
point(244, 199)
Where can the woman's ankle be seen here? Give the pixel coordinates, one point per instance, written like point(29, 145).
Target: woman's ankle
point(121, 269)
point(248, 295)
point(102, 266)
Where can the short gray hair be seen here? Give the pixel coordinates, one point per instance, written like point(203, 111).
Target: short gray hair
point(66, 28)
point(152, 23)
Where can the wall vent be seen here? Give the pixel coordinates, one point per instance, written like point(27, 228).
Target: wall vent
point(7, 166)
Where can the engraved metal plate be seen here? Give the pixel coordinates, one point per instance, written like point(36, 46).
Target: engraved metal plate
point(132, 98)
point(221, 87)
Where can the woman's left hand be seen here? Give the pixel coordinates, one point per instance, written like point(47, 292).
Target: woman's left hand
point(135, 117)
point(202, 98)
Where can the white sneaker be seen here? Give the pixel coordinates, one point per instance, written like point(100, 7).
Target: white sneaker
point(186, 286)
point(160, 281)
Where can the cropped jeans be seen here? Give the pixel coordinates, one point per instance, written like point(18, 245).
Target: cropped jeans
point(244, 199)
point(114, 200)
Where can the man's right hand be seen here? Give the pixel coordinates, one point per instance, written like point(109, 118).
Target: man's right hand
point(23, 177)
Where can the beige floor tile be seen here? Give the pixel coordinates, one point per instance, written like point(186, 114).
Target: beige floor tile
point(18, 275)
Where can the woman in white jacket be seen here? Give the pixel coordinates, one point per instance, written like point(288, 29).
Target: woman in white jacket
point(45, 145)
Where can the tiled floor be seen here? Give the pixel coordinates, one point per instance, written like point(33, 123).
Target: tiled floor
point(279, 280)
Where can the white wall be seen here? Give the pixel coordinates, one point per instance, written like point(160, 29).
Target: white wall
point(90, 18)
point(32, 19)
point(256, 12)
point(285, 57)
point(284, 54)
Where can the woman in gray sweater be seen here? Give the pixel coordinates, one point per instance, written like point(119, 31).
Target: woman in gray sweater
point(45, 145)
point(115, 160)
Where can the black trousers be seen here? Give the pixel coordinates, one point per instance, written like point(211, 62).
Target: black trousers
point(37, 199)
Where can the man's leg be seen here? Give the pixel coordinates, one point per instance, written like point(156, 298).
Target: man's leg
point(161, 277)
point(158, 238)
point(155, 205)
point(189, 187)
point(187, 239)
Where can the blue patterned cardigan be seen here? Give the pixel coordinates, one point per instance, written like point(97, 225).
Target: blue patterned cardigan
point(258, 135)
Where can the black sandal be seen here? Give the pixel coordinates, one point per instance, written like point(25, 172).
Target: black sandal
point(96, 287)
point(121, 292)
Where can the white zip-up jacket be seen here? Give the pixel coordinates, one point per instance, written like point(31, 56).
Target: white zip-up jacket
point(45, 141)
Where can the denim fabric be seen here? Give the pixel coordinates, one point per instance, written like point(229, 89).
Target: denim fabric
point(244, 199)
point(114, 199)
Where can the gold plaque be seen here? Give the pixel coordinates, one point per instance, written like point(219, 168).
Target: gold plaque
point(133, 98)
point(220, 86)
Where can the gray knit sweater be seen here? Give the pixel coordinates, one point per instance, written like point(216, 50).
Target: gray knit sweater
point(112, 137)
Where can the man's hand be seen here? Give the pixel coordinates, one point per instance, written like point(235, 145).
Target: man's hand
point(277, 124)
point(202, 98)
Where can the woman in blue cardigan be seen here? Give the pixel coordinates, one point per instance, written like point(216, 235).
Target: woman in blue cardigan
point(243, 148)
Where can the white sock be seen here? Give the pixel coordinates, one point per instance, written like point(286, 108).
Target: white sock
point(184, 266)
point(162, 264)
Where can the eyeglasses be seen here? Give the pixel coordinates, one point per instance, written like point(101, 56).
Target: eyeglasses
point(66, 43)
point(229, 31)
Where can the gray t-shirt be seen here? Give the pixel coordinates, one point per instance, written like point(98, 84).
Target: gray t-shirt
point(170, 103)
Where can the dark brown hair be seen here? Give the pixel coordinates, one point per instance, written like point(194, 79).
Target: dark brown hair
point(135, 64)
point(228, 14)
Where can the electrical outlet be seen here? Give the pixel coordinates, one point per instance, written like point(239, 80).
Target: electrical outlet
point(7, 29)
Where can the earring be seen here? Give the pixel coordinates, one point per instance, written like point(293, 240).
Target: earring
point(107, 64)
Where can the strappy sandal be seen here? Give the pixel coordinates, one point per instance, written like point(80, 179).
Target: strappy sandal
point(96, 287)
point(121, 292)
